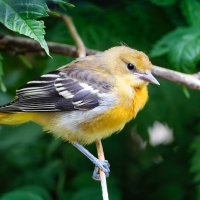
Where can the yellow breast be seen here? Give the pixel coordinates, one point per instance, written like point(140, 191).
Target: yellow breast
point(114, 119)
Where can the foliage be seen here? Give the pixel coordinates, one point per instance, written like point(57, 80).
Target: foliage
point(34, 165)
point(182, 44)
point(1, 74)
point(20, 16)
point(183, 56)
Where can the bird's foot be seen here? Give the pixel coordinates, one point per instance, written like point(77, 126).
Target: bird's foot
point(104, 166)
point(99, 164)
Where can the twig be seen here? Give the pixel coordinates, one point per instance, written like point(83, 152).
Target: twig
point(17, 45)
point(82, 53)
point(72, 29)
point(190, 80)
point(102, 174)
point(24, 45)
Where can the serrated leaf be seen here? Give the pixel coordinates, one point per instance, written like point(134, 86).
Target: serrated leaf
point(183, 48)
point(20, 16)
point(191, 11)
point(166, 42)
point(185, 55)
point(163, 2)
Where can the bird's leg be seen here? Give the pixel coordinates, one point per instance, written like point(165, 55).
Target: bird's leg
point(101, 164)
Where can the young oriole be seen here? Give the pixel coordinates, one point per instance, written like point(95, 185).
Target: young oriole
point(87, 99)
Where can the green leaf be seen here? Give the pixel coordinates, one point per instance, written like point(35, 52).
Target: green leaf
point(84, 193)
point(195, 161)
point(2, 86)
point(95, 193)
point(166, 42)
point(63, 2)
point(54, 13)
point(185, 56)
point(186, 91)
point(82, 180)
point(19, 16)
point(21, 195)
point(25, 61)
point(183, 48)
point(37, 190)
point(163, 2)
point(8, 141)
point(191, 11)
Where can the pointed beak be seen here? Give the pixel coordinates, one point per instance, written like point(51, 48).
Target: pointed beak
point(149, 78)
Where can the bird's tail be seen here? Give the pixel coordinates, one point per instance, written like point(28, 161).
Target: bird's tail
point(14, 118)
point(10, 114)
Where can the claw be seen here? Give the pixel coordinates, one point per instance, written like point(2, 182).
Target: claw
point(95, 174)
point(104, 166)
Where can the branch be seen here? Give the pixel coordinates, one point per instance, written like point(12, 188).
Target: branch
point(21, 45)
point(189, 80)
point(16, 45)
point(102, 174)
point(72, 29)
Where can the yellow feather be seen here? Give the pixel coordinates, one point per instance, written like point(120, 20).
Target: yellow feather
point(114, 119)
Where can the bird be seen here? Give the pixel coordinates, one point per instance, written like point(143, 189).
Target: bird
point(86, 100)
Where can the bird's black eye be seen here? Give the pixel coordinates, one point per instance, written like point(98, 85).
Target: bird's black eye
point(130, 66)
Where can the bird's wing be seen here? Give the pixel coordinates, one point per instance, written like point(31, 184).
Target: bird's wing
point(60, 90)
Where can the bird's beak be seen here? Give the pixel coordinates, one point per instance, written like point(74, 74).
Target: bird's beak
point(147, 76)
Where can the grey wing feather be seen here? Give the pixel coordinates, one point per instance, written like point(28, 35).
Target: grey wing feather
point(85, 100)
point(58, 91)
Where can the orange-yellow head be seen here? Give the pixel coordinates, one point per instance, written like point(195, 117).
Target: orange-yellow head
point(131, 65)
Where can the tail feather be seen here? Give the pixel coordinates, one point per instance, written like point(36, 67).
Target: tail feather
point(41, 118)
point(10, 116)
point(14, 118)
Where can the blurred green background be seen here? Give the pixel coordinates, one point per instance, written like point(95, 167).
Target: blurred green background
point(36, 166)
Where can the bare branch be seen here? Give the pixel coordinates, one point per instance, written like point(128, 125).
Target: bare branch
point(191, 81)
point(102, 174)
point(16, 45)
point(20, 45)
point(72, 29)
